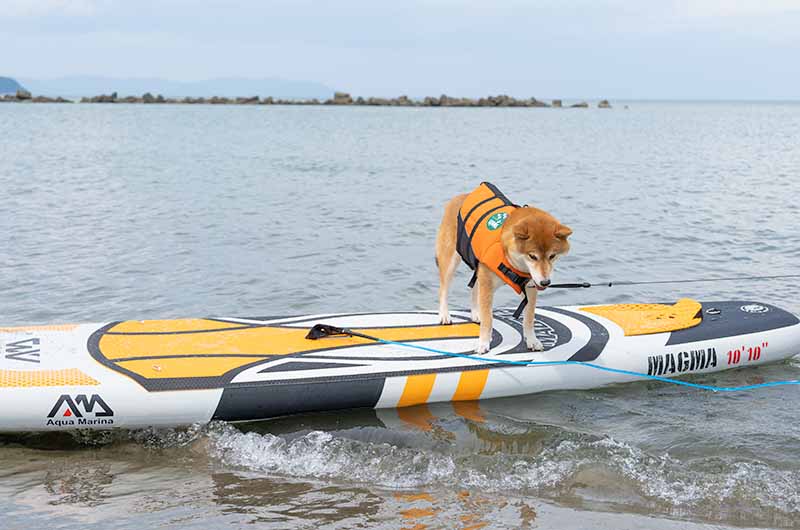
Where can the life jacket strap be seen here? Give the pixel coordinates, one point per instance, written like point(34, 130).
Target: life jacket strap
point(521, 305)
point(518, 279)
point(474, 279)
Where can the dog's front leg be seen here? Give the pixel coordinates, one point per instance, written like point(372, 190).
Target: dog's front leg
point(485, 295)
point(528, 327)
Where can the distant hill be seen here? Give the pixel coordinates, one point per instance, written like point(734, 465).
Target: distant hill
point(9, 86)
point(77, 86)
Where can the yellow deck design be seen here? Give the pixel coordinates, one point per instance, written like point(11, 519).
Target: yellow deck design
point(199, 348)
point(643, 319)
point(178, 367)
point(172, 326)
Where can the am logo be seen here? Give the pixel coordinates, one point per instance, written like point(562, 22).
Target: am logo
point(80, 410)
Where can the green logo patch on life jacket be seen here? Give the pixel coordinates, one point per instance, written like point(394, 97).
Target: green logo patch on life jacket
point(496, 221)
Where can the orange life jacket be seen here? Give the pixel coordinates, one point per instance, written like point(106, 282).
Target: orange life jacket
point(479, 221)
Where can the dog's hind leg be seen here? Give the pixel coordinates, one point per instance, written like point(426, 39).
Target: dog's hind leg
point(447, 257)
point(447, 269)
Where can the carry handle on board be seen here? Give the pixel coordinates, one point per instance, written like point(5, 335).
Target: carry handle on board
point(320, 331)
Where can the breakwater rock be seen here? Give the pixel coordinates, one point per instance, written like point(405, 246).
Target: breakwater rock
point(338, 99)
point(341, 99)
point(23, 96)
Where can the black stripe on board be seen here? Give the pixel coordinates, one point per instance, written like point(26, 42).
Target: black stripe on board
point(259, 402)
point(597, 341)
point(300, 366)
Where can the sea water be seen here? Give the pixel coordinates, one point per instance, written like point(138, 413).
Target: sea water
point(126, 212)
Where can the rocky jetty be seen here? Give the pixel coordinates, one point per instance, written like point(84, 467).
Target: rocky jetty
point(338, 99)
point(148, 98)
point(23, 96)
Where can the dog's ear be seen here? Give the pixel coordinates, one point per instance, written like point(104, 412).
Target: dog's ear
point(521, 232)
point(563, 232)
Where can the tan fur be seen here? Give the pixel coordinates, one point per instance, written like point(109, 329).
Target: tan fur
point(527, 233)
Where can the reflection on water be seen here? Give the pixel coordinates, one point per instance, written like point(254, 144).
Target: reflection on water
point(269, 500)
point(68, 484)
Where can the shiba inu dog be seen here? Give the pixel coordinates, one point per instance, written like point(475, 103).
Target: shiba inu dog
point(502, 243)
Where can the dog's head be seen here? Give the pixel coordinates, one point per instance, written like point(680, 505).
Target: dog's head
point(536, 239)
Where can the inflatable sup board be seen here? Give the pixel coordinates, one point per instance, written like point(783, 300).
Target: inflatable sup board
point(176, 372)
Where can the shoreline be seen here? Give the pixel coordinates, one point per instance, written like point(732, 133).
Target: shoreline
point(339, 99)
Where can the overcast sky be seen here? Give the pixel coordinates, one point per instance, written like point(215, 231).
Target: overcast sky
point(717, 49)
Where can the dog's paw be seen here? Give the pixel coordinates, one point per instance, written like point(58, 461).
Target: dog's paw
point(534, 344)
point(475, 317)
point(483, 347)
point(444, 319)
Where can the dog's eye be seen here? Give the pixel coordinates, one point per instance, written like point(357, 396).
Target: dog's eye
point(533, 257)
point(552, 257)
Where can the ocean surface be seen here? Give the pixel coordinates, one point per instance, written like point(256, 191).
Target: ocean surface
point(127, 212)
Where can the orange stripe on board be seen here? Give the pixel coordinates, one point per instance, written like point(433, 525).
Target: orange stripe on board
point(417, 390)
point(470, 385)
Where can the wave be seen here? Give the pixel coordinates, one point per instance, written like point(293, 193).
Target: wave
point(573, 469)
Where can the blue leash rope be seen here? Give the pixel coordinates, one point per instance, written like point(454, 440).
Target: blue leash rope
point(322, 330)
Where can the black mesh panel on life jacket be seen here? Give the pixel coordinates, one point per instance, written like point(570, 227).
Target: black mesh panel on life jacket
point(464, 246)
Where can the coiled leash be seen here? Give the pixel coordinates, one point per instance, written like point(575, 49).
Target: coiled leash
point(586, 285)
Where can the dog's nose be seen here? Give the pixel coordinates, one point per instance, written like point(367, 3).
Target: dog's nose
point(544, 283)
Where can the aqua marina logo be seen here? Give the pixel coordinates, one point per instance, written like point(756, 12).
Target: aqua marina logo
point(81, 410)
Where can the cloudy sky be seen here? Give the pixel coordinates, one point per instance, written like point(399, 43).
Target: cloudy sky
point(717, 49)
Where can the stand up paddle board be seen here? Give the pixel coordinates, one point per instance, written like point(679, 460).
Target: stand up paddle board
point(144, 373)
